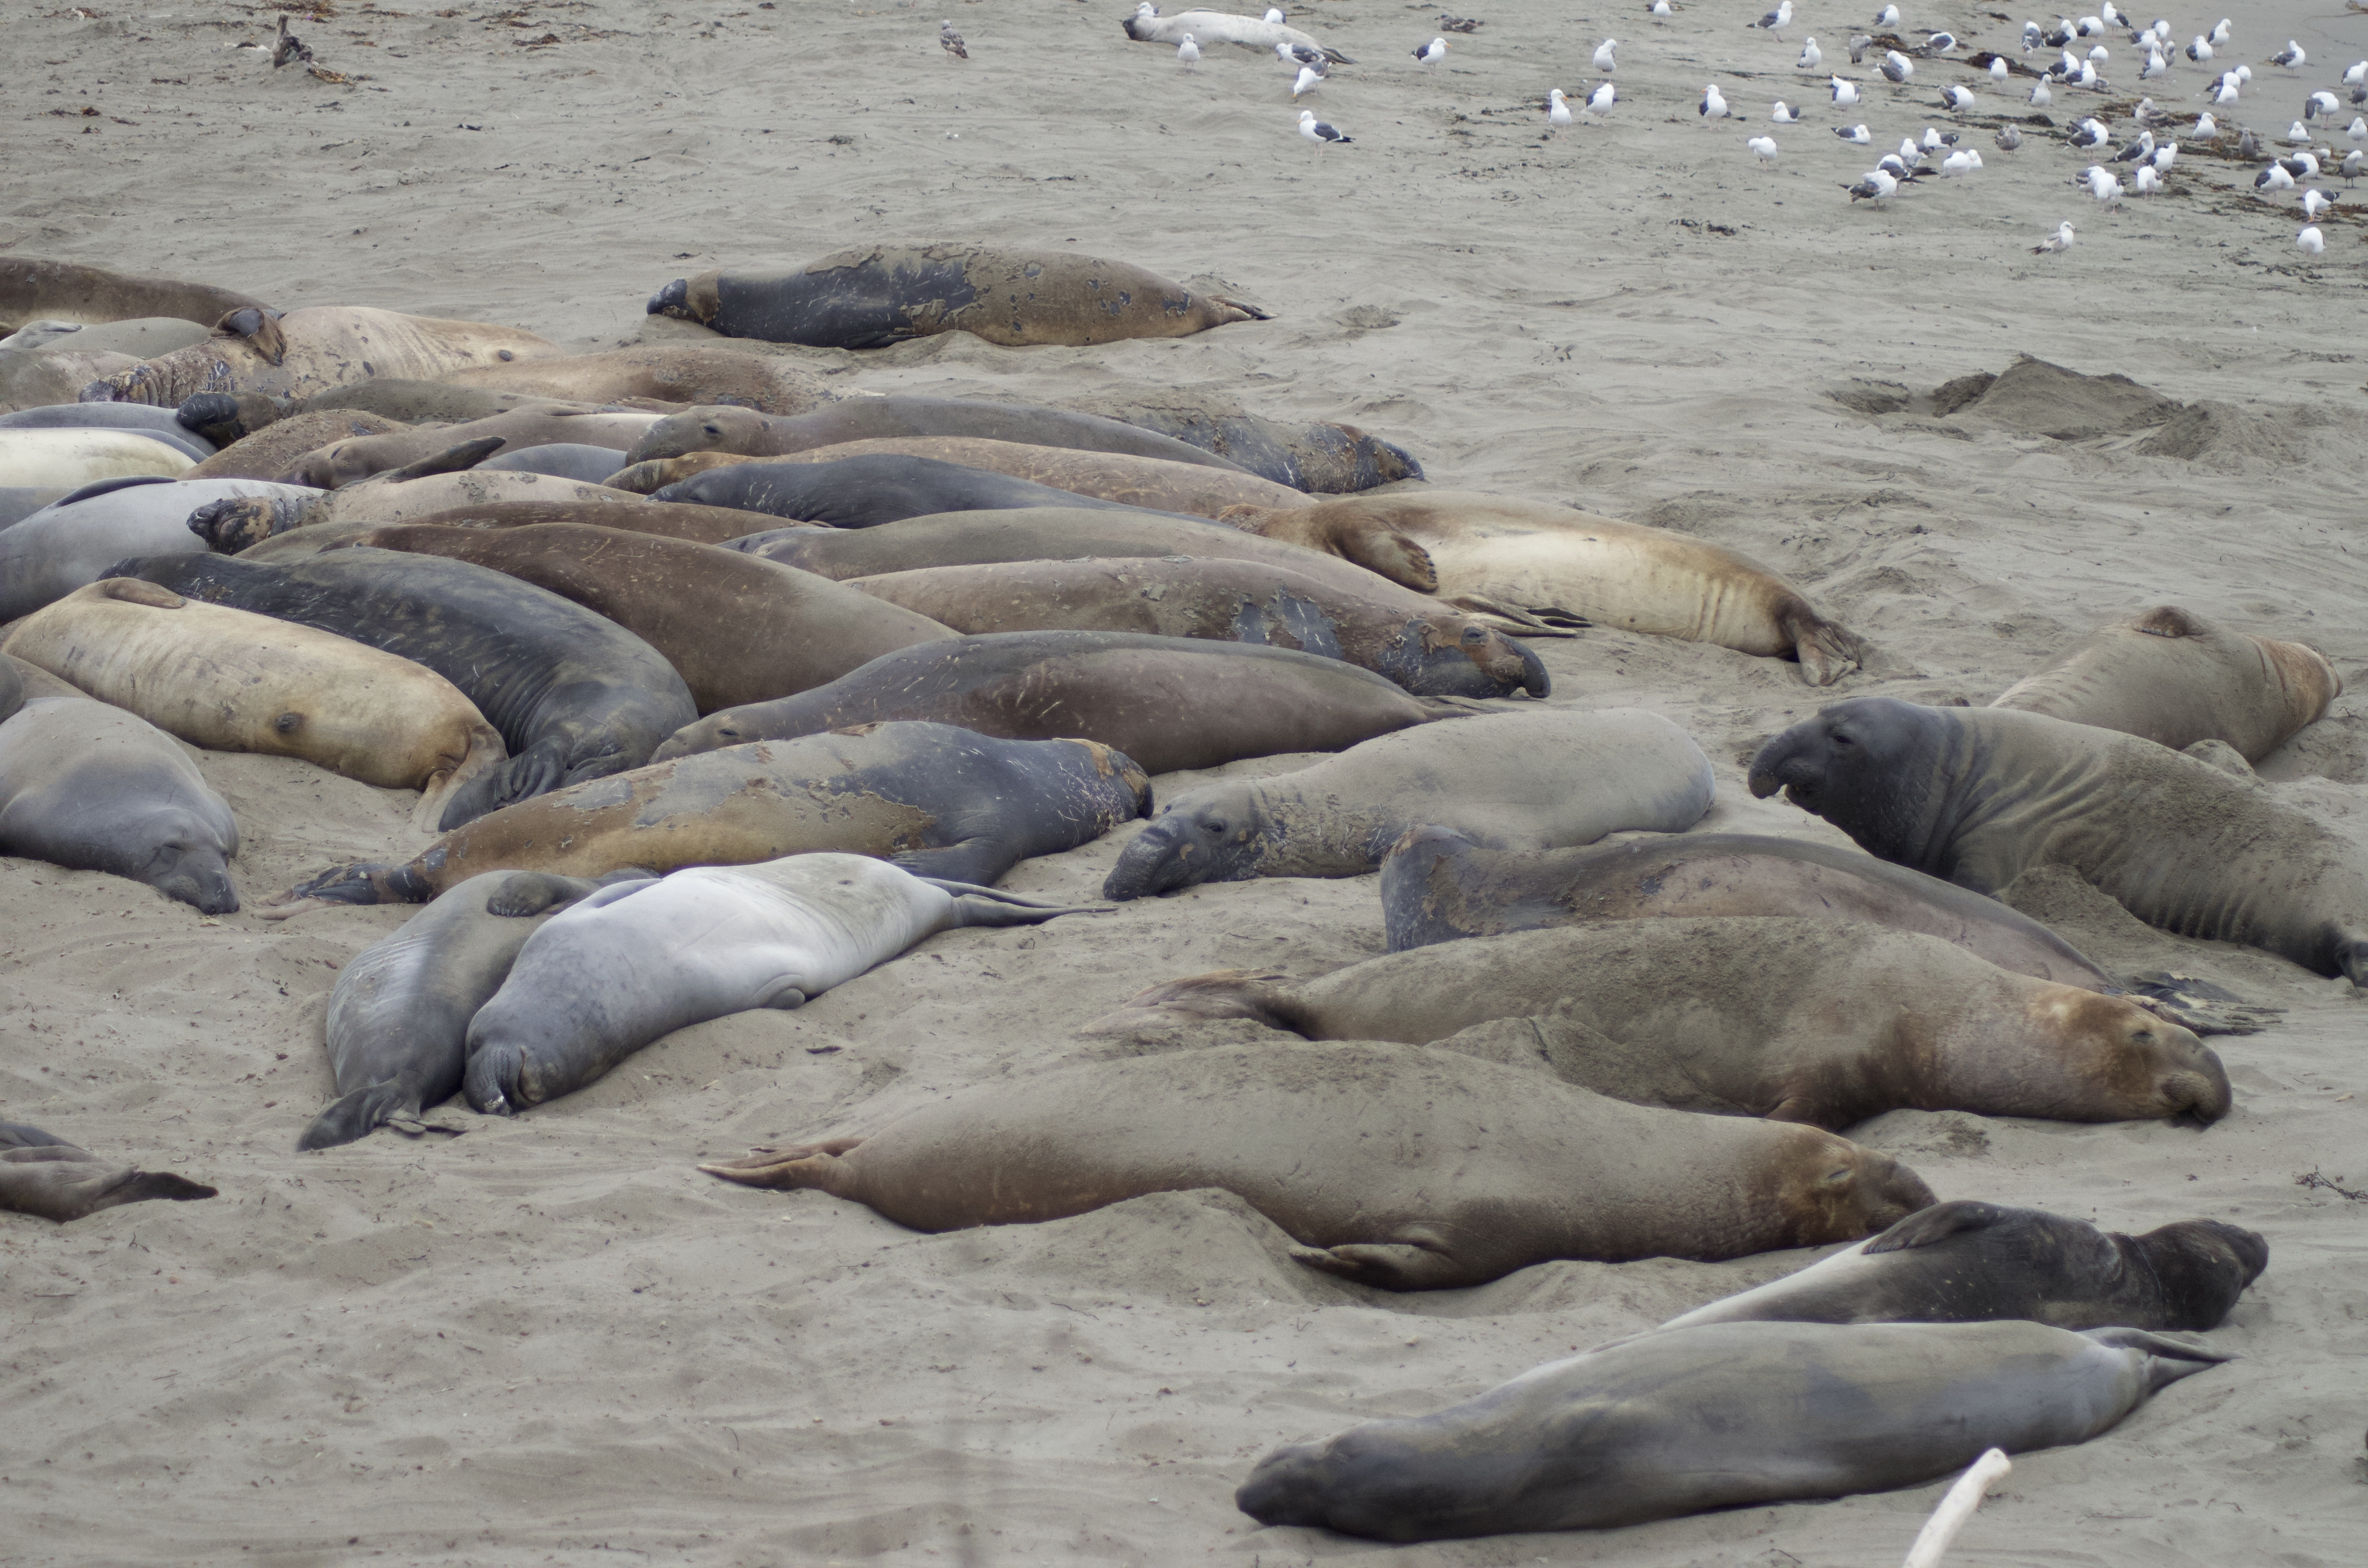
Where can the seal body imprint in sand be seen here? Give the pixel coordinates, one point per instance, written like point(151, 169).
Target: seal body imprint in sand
point(46, 1176)
point(1395, 1165)
point(870, 299)
point(1686, 1421)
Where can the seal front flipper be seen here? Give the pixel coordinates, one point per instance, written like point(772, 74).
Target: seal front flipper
point(789, 1168)
point(2198, 1005)
point(2167, 1360)
point(1827, 648)
point(1421, 1264)
point(973, 862)
point(350, 1117)
point(1938, 1223)
point(533, 892)
point(363, 881)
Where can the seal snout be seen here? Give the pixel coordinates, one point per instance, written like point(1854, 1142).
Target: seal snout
point(674, 300)
point(1286, 1488)
point(2200, 1092)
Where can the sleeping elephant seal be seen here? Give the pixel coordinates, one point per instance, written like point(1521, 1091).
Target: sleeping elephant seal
point(105, 416)
point(68, 543)
point(1555, 776)
point(630, 514)
point(1148, 26)
point(398, 1023)
point(1393, 1166)
point(72, 459)
point(229, 680)
point(560, 460)
point(752, 434)
point(33, 289)
point(1152, 484)
point(861, 491)
point(1971, 1262)
point(1494, 550)
point(1319, 456)
point(735, 628)
point(311, 350)
point(1428, 648)
point(640, 959)
point(938, 801)
point(332, 464)
point(279, 447)
point(94, 788)
point(47, 1176)
point(2175, 677)
point(666, 373)
point(230, 529)
point(1980, 795)
point(1718, 1416)
point(1168, 702)
point(574, 696)
point(870, 299)
point(12, 689)
point(1822, 1021)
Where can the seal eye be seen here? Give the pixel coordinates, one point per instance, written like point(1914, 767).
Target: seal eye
point(712, 429)
point(1843, 740)
point(1215, 826)
point(1474, 634)
point(729, 734)
point(2144, 1037)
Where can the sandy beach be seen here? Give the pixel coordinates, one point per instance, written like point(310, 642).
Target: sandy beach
point(551, 1340)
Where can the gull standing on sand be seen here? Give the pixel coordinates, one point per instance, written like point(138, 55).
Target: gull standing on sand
point(1856, 133)
point(1432, 52)
point(1888, 17)
point(1810, 55)
point(1896, 67)
point(1604, 58)
point(2221, 33)
point(950, 40)
point(1659, 7)
point(2040, 97)
point(2147, 181)
point(1558, 111)
point(2057, 244)
point(1875, 185)
point(2357, 132)
point(1300, 54)
point(2007, 138)
point(2273, 178)
point(1782, 115)
point(1781, 17)
point(2312, 241)
point(2103, 184)
point(2321, 103)
point(1999, 72)
point(2291, 56)
point(2226, 91)
point(1957, 166)
point(1713, 105)
point(2089, 133)
point(1764, 147)
point(2356, 76)
point(1189, 51)
point(2206, 128)
point(1845, 93)
point(2352, 164)
point(1959, 100)
point(1308, 76)
point(1602, 98)
point(2314, 202)
point(1940, 44)
point(1315, 130)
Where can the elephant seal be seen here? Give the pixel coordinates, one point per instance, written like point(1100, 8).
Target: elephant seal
point(871, 299)
point(107, 416)
point(737, 629)
point(1971, 1262)
point(1979, 795)
point(628, 514)
point(75, 457)
point(1822, 1021)
point(859, 492)
point(52, 376)
point(142, 337)
point(1319, 456)
point(1507, 775)
point(1168, 702)
point(234, 528)
point(311, 350)
point(333, 464)
point(398, 1023)
point(1431, 652)
point(18, 503)
point(2174, 677)
point(33, 289)
point(277, 450)
point(938, 801)
point(561, 460)
point(1220, 27)
point(12, 689)
point(1393, 1166)
point(1151, 484)
point(574, 696)
point(671, 374)
point(51, 1178)
point(638, 961)
point(230, 680)
point(751, 434)
point(1551, 560)
point(94, 788)
point(1718, 1416)
point(68, 543)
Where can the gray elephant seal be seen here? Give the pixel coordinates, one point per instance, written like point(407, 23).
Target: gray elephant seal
point(638, 961)
point(34, 289)
point(662, 375)
point(1320, 456)
point(871, 299)
point(1506, 774)
point(72, 542)
point(339, 461)
point(1686, 1421)
point(745, 431)
point(2173, 677)
point(398, 1023)
point(1822, 1021)
point(1393, 1165)
point(1980, 795)
point(49, 1178)
point(92, 788)
point(1971, 1262)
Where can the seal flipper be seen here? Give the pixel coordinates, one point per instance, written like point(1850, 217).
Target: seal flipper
point(533, 892)
point(976, 862)
point(1225, 994)
point(790, 1167)
point(1827, 648)
point(2167, 1360)
point(975, 905)
point(352, 1117)
point(451, 460)
point(1938, 1223)
point(2207, 1008)
point(364, 881)
point(1418, 1265)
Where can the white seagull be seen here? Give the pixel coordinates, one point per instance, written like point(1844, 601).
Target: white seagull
point(2291, 56)
point(1765, 146)
point(1272, 15)
point(2147, 181)
point(2040, 96)
point(1602, 98)
point(1856, 133)
point(2056, 244)
point(1782, 115)
point(1810, 55)
point(1604, 59)
point(1957, 166)
point(1896, 67)
point(2356, 76)
point(1845, 93)
point(2358, 130)
point(1781, 17)
point(2312, 241)
point(1958, 98)
point(2089, 133)
point(1999, 72)
point(2298, 134)
point(2102, 183)
point(1308, 76)
point(2273, 178)
point(2314, 202)
point(1315, 130)
point(1432, 52)
point(1558, 111)
point(2221, 33)
point(1875, 185)
point(2319, 103)
point(1659, 7)
point(2227, 92)
point(1189, 51)
point(2352, 164)
point(2206, 128)
point(1713, 105)
point(1888, 17)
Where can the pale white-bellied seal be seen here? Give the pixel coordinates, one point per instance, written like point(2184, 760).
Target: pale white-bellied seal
point(35, 289)
point(231, 680)
point(1393, 1166)
point(231, 528)
point(68, 543)
point(2171, 675)
point(737, 629)
point(1969, 1262)
point(638, 961)
point(1822, 1021)
point(49, 1178)
point(940, 801)
point(575, 696)
point(1221, 26)
point(1555, 776)
point(745, 431)
point(95, 788)
point(1168, 702)
point(666, 373)
point(1980, 795)
point(398, 1023)
point(1686, 1421)
point(118, 418)
point(311, 350)
point(75, 457)
point(870, 299)
point(1493, 548)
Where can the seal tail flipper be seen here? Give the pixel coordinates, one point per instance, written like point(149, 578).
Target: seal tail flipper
point(1246, 312)
point(139, 1186)
point(486, 753)
point(363, 881)
point(972, 909)
point(971, 863)
point(2198, 1004)
point(1827, 648)
point(790, 1167)
point(351, 1117)
point(1511, 618)
point(2168, 1360)
point(1225, 994)
point(1387, 1266)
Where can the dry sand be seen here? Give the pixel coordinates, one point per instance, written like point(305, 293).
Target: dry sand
point(552, 1341)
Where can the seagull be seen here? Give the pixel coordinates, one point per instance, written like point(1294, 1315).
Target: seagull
point(1904, 169)
point(1603, 98)
point(1659, 7)
point(1189, 51)
point(1958, 98)
point(2102, 183)
point(2141, 148)
point(2221, 33)
point(2291, 56)
point(1934, 141)
point(1896, 67)
point(1845, 93)
point(2089, 133)
point(2352, 164)
point(2147, 182)
point(2298, 134)
point(2243, 73)
point(1783, 116)
point(1908, 151)
point(1781, 17)
point(1273, 14)
point(2201, 50)
point(1147, 9)
point(2057, 244)
point(2227, 92)
point(2356, 76)
point(1603, 59)
point(2029, 37)
point(1558, 111)
point(1300, 54)
point(1765, 146)
point(2007, 138)
point(1875, 185)
point(1859, 45)
point(2164, 156)
point(1940, 44)
point(1999, 72)
point(1888, 17)
point(2206, 128)
point(2156, 65)
point(1315, 130)
point(950, 40)
point(1856, 133)
point(2040, 96)
point(2321, 103)
point(1308, 76)
point(2274, 178)
point(1713, 107)
point(2099, 55)
point(2314, 202)
point(1810, 55)
point(2249, 146)
point(2090, 25)
point(2302, 165)
point(1432, 52)
point(2311, 242)
point(1957, 165)
point(2358, 130)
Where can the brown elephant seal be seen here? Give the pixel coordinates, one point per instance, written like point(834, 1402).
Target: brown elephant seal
point(1975, 1262)
point(1183, 701)
point(1718, 1416)
point(1318, 455)
point(737, 629)
point(314, 349)
point(629, 513)
point(39, 379)
point(751, 434)
point(52, 1179)
point(1430, 651)
point(230, 680)
point(938, 801)
point(142, 337)
point(1393, 1166)
point(1550, 560)
point(1154, 484)
point(871, 299)
point(332, 465)
point(1505, 775)
point(398, 1023)
point(91, 787)
point(1977, 796)
point(2173, 677)
point(34, 289)
point(653, 474)
point(1822, 1021)
point(575, 696)
point(232, 527)
point(673, 373)
point(279, 448)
